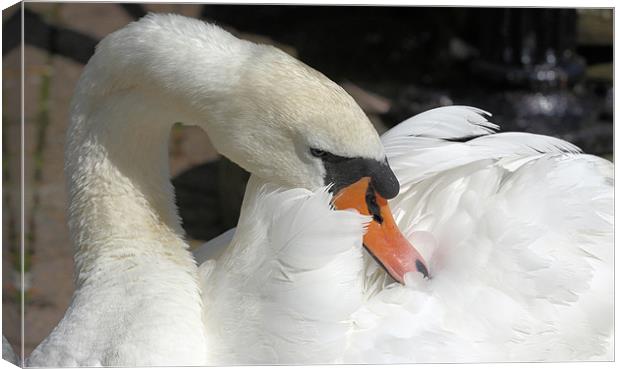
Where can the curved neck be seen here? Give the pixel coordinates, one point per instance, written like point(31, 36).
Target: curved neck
point(136, 86)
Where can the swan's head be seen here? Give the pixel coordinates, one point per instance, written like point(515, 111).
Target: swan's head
point(291, 125)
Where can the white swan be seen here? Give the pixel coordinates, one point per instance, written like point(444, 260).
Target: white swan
point(137, 299)
point(517, 228)
point(286, 292)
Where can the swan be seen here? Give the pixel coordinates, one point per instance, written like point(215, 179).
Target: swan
point(493, 277)
point(517, 230)
point(137, 299)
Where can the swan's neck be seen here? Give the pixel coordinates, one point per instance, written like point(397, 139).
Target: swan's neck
point(134, 273)
point(121, 200)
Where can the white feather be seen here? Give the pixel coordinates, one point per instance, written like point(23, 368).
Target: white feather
point(274, 291)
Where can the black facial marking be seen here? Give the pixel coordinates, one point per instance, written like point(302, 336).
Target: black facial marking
point(384, 181)
point(342, 172)
point(373, 207)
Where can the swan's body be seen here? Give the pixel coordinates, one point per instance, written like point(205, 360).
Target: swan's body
point(137, 299)
point(518, 230)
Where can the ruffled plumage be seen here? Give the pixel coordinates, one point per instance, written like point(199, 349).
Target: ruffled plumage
point(273, 290)
point(517, 230)
point(521, 260)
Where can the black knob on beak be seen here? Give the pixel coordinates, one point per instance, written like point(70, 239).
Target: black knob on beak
point(384, 181)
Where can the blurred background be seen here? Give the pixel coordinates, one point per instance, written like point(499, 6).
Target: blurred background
point(538, 70)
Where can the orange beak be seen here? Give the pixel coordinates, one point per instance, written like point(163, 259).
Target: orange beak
point(383, 238)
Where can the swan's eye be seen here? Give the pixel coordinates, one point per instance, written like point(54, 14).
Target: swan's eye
point(318, 153)
point(328, 156)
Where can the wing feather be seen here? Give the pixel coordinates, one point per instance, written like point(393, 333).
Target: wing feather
point(522, 264)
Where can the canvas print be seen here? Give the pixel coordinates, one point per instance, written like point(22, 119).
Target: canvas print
point(219, 184)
